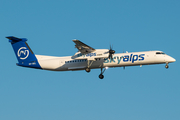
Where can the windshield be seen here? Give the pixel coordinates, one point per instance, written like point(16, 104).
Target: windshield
point(160, 53)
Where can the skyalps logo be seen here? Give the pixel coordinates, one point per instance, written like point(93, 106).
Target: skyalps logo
point(23, 53)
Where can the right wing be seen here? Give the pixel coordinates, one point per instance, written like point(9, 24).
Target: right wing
point(83, 48)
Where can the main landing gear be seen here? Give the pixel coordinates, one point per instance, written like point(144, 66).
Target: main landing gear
point(101, 76)
point(89, 63)
point(88, 70)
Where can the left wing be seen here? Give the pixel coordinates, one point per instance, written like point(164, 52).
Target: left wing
point(83, 48)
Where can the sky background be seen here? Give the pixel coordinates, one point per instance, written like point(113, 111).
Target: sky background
point(136, 93)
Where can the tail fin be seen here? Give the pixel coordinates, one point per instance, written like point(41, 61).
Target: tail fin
point(24, 54)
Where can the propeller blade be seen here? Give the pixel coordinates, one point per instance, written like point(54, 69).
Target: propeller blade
point(111, 52)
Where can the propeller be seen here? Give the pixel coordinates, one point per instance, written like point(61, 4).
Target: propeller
point(111, 52)
point(123, 66)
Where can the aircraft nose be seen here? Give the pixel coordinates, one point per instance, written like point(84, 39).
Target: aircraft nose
point(171, 59)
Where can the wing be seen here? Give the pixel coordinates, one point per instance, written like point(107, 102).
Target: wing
point(83, 48)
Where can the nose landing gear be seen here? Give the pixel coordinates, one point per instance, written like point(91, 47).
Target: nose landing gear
point(101, 76)
point(167, 66)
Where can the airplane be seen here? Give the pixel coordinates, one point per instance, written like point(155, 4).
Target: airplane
point(86, 58)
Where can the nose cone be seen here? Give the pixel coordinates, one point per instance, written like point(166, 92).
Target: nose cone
point(171, 59)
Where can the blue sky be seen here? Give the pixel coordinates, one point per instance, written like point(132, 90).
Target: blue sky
point(138, 93)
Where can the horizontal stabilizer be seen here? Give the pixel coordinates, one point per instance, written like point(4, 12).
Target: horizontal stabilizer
point(13, 39)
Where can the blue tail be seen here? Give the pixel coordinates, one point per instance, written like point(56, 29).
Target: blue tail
point(24, 54)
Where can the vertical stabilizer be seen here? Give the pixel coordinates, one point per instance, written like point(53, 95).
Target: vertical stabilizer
point(23, 52)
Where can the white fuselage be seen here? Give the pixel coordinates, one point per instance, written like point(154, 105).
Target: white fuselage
point(119, 60)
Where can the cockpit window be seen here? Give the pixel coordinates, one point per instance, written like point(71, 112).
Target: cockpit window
point(160, 53)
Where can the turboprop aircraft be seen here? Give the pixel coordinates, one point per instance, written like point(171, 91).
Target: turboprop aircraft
point(86, 58)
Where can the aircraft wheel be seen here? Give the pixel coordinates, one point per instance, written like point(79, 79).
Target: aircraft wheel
point(167, 66)
point(101, 76)
point(88, 70)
